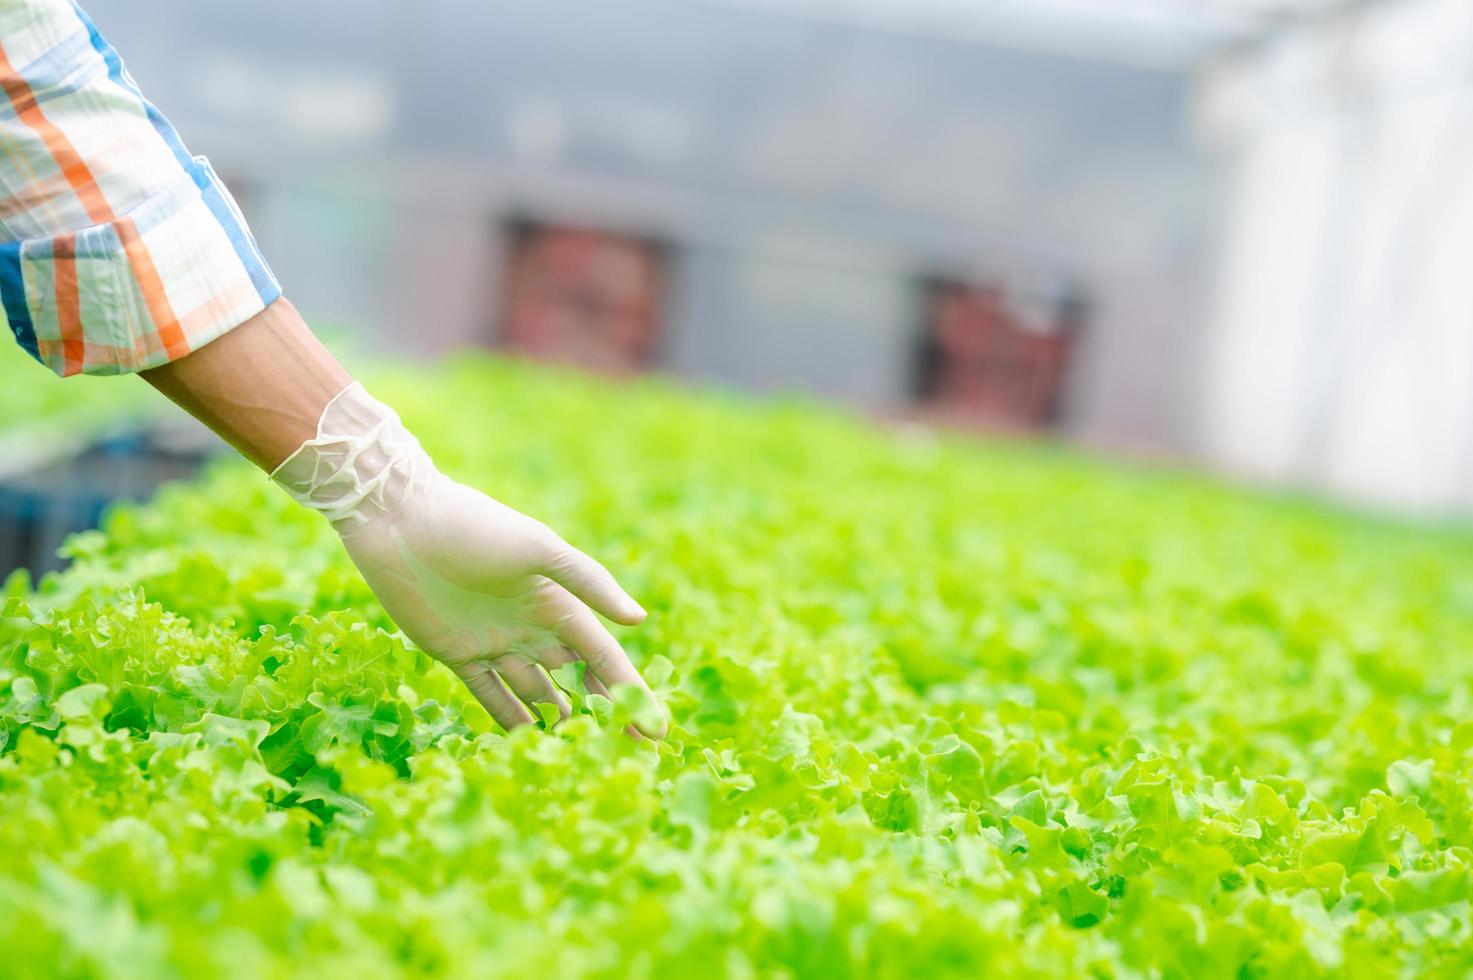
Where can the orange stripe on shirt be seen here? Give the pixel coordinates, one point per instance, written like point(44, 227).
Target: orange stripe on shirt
point(152, 286)
point(68, 160)
point(68, 305)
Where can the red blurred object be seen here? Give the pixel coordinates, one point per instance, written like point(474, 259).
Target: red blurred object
point(984, 359)
point(583, 296)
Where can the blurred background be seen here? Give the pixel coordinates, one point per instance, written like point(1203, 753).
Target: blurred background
point(1235, 233)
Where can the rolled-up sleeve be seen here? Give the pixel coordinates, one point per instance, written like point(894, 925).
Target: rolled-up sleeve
point(120, 250)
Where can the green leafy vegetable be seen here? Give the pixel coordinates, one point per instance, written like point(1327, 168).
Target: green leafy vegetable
point(939, 708)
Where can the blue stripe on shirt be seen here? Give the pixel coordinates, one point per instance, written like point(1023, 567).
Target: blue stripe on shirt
point(240, 238)
point(51, 75)
point(119, 75)
point(13, 297)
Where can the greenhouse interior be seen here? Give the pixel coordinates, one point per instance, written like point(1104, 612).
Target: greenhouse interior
point(804, 488)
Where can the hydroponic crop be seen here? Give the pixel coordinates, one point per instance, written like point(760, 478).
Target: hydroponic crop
point(938, 708)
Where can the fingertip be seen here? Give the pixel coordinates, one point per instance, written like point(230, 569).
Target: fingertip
point(655, 728)
point(632, 613)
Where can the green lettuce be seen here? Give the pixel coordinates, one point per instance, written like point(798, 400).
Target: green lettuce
point(939, 708)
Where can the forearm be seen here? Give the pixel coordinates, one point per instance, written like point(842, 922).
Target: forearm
point(261, 387)
point(133, 258)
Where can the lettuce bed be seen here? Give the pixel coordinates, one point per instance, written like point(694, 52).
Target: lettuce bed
point(939, 708)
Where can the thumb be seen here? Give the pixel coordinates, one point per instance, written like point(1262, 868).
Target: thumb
point(592, 583)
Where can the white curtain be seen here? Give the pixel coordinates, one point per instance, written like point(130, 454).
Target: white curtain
point(1341, 345)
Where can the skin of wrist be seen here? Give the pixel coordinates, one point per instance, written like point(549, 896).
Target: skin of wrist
point(261, 387)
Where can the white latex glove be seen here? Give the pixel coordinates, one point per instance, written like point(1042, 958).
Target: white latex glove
point(495, 595)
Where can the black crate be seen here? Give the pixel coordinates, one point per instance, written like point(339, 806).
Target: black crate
point(60, 491)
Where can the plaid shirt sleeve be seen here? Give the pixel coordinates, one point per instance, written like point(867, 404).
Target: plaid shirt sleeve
point(118, 250)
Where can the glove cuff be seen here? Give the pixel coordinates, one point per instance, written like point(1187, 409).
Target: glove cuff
point(361, 465)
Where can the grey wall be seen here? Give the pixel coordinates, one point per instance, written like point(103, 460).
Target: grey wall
point(807, 170)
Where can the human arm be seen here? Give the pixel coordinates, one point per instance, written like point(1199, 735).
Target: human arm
point(120, 252)
point(495, 595)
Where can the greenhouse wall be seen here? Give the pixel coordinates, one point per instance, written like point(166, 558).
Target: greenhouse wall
point(809, 176)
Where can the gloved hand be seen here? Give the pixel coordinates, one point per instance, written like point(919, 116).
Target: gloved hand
point(490, 592)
